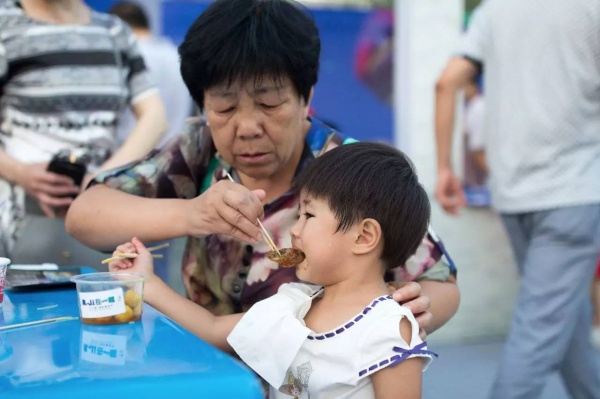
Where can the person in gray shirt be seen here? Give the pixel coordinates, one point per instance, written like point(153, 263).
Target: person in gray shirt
point(542, 79)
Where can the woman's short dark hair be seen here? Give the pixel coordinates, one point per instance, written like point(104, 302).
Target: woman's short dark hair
point(370, 180)
point(250, 39)
point(131, 13)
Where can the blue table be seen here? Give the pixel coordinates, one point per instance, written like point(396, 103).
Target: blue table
point(153, 358)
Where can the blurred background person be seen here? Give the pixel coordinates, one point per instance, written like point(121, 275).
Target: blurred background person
point(374, 54)
point(542, 134)
point(162, 61)
point(66, 73)
point(475, 165)
point(596, 304)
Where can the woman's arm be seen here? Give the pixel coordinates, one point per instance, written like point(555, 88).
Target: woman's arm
point(444, 297)
point(403, 380)
point(102, 217)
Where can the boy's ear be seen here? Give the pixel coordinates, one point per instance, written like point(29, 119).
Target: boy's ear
point(368, 236)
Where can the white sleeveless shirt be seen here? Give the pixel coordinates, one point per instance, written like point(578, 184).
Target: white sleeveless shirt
point(274, 341)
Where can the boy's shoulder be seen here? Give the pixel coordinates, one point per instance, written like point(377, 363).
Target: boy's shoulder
point(303, 288)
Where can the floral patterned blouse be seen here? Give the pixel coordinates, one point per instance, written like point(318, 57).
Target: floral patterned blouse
point(221, 273)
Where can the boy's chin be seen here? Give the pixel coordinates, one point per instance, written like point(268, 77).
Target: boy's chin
point(302, 273)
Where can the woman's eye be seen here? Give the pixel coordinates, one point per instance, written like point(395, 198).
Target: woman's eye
point(226, 110)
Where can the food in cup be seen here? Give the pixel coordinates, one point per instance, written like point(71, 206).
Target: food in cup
point(110, 298)
point(130, 315)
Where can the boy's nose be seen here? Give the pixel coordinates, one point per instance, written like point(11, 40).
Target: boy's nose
point(295, 231)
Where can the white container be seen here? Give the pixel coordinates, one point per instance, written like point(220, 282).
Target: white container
point(110, 298)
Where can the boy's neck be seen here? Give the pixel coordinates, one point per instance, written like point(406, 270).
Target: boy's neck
point(362, 286)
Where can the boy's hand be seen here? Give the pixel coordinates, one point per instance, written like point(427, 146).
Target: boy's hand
point(143, 263)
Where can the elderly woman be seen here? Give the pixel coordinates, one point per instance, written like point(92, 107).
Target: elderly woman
point(251, 66)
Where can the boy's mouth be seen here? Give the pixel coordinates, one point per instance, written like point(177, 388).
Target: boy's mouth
point(286, 257)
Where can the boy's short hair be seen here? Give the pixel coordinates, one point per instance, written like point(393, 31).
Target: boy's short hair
point(250, 39)
point(369, 180)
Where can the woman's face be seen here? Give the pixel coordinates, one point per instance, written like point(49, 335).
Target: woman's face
point(257, 127)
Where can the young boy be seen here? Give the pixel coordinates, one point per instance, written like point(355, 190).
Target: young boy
point(340, 335)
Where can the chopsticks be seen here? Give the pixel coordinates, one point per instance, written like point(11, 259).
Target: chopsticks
point(37, 322)
point(131, 256)
point(264, 231)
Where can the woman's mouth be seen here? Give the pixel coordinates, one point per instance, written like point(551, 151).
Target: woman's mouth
point(255, 158)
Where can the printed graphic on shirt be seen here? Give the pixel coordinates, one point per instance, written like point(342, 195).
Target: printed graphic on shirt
point(298, 387)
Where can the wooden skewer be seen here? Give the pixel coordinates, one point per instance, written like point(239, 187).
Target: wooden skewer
point(131, 256)
point(264, 231)
point(127, 256)
point(33, 323)
point(157, 247)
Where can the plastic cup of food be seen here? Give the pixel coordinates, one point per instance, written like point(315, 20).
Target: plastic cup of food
point(4, 262)
point(110, 298)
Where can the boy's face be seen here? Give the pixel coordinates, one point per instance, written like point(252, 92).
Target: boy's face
point(315, 234)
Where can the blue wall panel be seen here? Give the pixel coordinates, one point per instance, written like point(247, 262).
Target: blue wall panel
point(339, 97)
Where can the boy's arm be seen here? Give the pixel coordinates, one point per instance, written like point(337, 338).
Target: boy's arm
point(403, 380)
point(192, 317)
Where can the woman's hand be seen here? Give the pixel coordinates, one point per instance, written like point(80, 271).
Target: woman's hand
point(226, 208)
point(143, 263)
point(410, 295)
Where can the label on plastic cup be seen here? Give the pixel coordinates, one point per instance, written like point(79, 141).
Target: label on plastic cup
point(102, 303)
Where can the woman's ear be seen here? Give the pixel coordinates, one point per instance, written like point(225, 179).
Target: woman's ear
point(367, 237)
point(308, 101)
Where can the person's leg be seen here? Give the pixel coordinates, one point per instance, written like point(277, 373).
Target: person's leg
point(556, 270)
point(595, 291)
point(518, 229)
point(596, 296)
point(580, 370)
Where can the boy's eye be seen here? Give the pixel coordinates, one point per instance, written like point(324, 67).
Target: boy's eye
point(269, 106)
point(308, 215)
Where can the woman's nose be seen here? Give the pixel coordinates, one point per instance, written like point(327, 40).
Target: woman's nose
point(249, 126)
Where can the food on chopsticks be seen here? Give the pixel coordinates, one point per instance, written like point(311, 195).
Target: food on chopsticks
point(286, 257)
